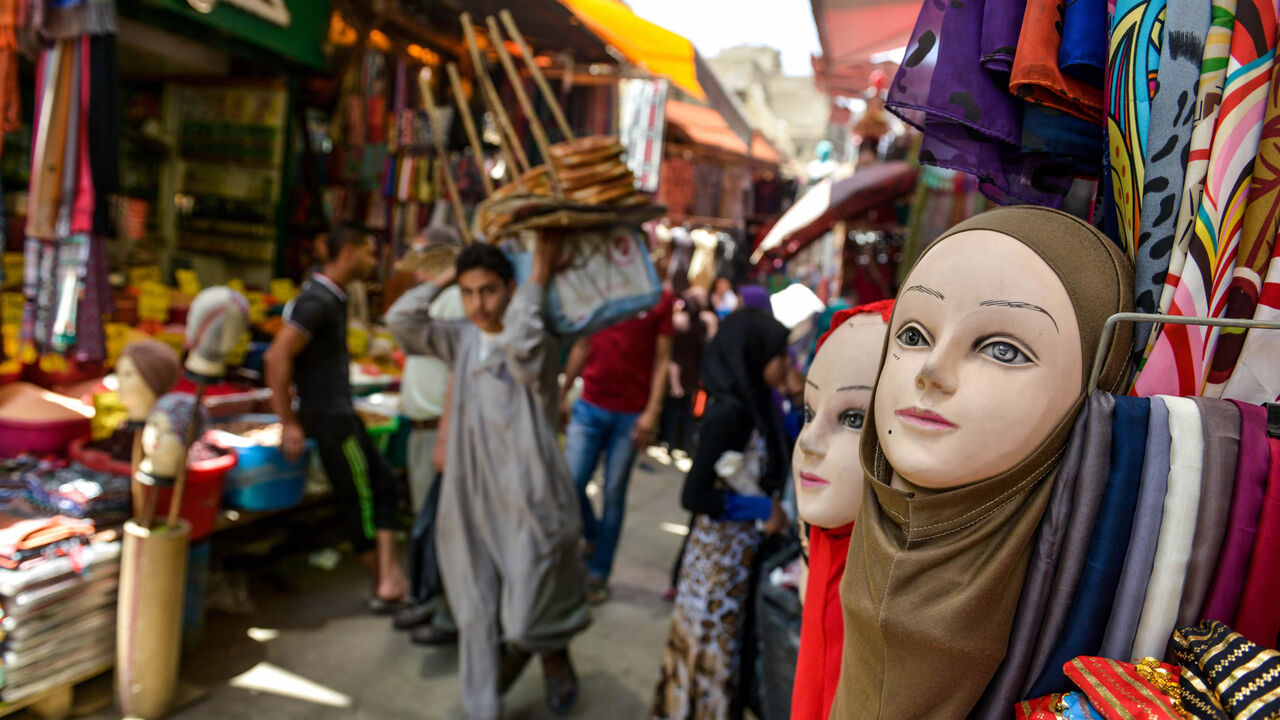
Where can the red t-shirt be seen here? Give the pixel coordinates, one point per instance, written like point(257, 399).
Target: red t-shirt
point(619, 369)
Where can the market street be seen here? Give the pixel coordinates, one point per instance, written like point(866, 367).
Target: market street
point(320, 654)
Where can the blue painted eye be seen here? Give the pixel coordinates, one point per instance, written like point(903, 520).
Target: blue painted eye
point(1004, 352)
point(853, 419)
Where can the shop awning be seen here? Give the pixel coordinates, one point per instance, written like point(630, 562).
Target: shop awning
point(829, 201)
point(708, 127)
point(644, 44)
point(852, 33)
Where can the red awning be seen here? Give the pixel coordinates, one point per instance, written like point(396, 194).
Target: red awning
point(829, 201)
point(851, 32)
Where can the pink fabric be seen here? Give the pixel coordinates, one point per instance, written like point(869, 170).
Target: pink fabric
point(1259, 616)
point(1242, 527)
point(82, 211)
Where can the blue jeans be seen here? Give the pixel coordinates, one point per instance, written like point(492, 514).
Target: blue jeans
point(593, 432)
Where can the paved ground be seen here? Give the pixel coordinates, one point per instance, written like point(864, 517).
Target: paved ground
point(310, 651)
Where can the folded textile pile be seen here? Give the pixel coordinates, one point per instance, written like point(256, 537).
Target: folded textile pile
point(59, 618)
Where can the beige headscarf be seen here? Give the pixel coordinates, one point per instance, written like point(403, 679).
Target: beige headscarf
point(933, 578)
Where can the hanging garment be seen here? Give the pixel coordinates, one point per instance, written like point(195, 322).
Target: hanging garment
point(1091, 486)
point(1179, 362)
point(1001, 23)
point(1259, 616)
point(10, 100)
point(1213, 74)
point(1083, 54)
point(1133, 61)
point(1131, 590)
point(1224, 675)
point(82, 209)
point(1242, 527)
point(970, 120)
point(1255, 376)
point(1221, 422)
point(1177, 530)
point(1036, 76)
point(822, 629)
point(1173, 108)
point(47, 163)
point(971, 545)
point(70, 168)
point(104, 129)
point(72, 20)
point(91, 344)
point(1006, 687)
point(1096, 591)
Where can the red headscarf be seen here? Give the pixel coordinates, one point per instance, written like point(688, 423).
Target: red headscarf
point(822, 632)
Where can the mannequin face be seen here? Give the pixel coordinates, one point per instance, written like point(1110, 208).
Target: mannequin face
point(837, 397)
point(135, 393)
point(984, 360)
point(161, 447)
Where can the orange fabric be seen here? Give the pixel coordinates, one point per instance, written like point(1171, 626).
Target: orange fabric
point(1036, 76)
point(650, 46)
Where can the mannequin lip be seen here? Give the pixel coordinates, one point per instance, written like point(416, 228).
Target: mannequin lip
point(810, 480)
point(925, 419)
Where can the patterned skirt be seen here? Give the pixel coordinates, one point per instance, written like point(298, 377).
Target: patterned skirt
point(700, 663)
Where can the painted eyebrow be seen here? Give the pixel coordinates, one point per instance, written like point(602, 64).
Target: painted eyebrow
point(811, 384)
point(927, 291)
point(853, 387)
point(1021, 306)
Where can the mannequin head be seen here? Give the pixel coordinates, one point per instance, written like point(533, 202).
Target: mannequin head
point(988, 349)
point(217, 319)
point(164, 438)
point(837, 398)
point(145, 371)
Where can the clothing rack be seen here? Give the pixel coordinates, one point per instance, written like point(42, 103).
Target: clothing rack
point(1109, 331)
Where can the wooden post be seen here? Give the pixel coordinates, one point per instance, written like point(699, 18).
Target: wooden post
point(492, 98)
point(510, 23)
point(469, 124)
point(535, 125)
point(442, 156)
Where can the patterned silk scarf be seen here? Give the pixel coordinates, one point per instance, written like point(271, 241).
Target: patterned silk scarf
point(1172, 111)
point(1261, 225)
point(1132, 67)
point(1178, 362)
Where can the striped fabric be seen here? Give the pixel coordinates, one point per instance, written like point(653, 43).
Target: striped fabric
point(1226, 676)
point(360, 477)
point(1257, 247)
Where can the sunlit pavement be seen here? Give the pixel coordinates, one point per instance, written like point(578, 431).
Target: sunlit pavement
point(310, 651)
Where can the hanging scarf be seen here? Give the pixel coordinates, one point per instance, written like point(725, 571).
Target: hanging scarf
point(1168, 140)
point(1246, 503)
point(1178, 364)
point(1259, 615)
point(1132, 65)
point(1220, 421)
point(822, 631)
point(1256, 257)
point(1036, 76)
point(958, 556)
point(1083, 54)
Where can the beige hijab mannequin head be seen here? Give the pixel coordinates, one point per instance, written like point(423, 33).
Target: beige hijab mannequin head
point(146, 370)
point(984, 362)
point(837, 398)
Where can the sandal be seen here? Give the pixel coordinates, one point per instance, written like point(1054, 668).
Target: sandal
point(378, 606)
point(597, 592)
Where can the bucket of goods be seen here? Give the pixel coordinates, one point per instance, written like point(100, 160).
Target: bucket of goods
point(263, 479)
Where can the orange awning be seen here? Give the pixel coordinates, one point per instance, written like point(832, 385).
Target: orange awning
point(645, 44)
point(705, 126)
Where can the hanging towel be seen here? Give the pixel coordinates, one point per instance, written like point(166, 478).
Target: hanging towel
point(1131, 591)
point(1092, 602)
point(1242, 528)
point(1177, 530)
point(1259, 615)
point(1173, 108)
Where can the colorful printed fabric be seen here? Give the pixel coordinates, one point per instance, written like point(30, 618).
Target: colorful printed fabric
point(1119, 692)
point(1036, 76)
point(1213, 74)
point(1261, 226)
point(1133, 63)
point(1173, 108)
point(1178, 363)
point(970, 121)
point(1084, 46)
point(1225, 675)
